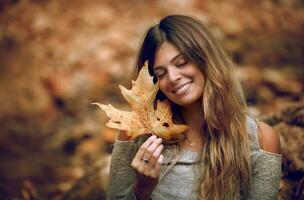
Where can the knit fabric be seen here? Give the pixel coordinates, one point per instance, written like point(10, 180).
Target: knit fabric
point(181, 181)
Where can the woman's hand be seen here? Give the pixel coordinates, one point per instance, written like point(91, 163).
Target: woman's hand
point(147, 163)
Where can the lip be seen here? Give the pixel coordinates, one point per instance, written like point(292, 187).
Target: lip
point(176, 88)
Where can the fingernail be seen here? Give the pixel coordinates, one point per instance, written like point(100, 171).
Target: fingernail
point(153, 137)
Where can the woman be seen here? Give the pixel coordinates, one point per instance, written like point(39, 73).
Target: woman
point(226, 154)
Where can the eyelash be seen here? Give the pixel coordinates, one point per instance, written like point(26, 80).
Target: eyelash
point(160, 75)
point(184, 62)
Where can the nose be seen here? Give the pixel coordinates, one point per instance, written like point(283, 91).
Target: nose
point(173, 74)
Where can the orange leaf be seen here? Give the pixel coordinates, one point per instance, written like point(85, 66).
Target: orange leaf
point(144, 118)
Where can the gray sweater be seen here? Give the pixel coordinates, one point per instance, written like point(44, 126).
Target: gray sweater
point(182, 179)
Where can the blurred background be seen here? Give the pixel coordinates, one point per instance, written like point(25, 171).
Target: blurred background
point(58, 56)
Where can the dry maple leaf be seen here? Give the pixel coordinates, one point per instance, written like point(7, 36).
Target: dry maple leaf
point(143, 118)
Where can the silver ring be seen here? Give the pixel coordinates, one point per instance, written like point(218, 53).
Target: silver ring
point(145, 160)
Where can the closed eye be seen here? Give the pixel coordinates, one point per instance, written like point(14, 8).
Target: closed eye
point(159, 73)
point(181, 62)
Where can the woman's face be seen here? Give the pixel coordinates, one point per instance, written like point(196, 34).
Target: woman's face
point(179, 79)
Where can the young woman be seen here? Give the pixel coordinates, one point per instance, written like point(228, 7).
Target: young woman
point(226, 154)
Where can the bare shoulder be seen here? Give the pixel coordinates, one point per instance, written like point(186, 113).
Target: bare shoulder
point(268, 138)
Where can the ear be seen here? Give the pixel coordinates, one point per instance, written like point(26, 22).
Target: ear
point(268, 138)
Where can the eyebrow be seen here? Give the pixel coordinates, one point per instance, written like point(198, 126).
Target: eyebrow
point(172, 60)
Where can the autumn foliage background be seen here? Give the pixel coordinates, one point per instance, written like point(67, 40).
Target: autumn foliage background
point(58, 56)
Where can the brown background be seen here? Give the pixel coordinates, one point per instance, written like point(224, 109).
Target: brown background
point(58, 56)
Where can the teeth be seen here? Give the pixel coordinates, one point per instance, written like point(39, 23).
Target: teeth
point(182, 89)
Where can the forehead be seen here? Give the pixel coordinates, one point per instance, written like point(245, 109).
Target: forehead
point(164, 55)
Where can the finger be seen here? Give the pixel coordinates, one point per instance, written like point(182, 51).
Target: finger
point(154, 150)
point(155, 155)
point(143, 148)
point(142, 168)
point(136, 162)
point(146, 168)
point(148, 153)
point(157, 167)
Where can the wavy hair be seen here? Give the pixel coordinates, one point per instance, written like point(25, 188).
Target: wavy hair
point(225, 170)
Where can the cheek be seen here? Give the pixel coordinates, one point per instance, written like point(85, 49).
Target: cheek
point(199, 77)
point(201, 81)
point(202, 84)
point(163, 87)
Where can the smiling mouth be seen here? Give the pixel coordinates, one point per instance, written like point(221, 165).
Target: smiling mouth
point(183, 88)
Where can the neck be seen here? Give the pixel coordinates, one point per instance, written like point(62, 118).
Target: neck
point(193, 116)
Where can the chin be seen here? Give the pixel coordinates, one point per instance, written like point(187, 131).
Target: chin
point(184, 102)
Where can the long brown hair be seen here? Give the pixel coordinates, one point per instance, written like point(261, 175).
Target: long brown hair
point(226, 166)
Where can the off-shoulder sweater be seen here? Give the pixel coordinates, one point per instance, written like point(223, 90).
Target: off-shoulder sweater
point(181, 181)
